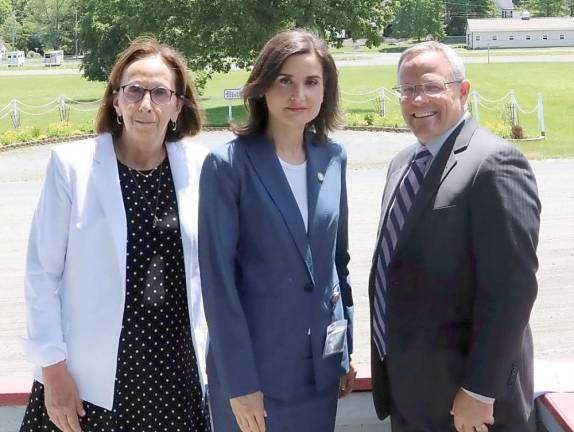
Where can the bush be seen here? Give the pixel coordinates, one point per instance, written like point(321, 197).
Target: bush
point(55, 130)
point(517, 132)
point(33, 55)
point(498, 128)
point(372, 119)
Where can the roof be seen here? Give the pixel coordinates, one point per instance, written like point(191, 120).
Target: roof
point(504, 4)
point(517, 24)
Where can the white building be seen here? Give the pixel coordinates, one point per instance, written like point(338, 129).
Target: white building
point(505, 8)
point(522, 32)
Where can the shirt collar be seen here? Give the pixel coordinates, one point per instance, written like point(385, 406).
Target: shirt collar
point(435, 145)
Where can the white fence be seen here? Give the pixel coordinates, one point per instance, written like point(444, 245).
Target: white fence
point(62, 104)
point(509, 101)
point(382, 98)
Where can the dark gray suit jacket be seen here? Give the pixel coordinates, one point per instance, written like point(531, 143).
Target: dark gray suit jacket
point(461, 284)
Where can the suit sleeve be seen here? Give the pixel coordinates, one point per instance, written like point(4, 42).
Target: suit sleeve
point(342, 256)
point(44, 343)
point(230, 341)
point(505, 219)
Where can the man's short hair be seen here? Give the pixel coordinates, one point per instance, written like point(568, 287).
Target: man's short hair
point(456, 64)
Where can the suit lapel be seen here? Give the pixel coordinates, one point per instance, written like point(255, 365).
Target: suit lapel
point(318, 159)
point(442, 166)
point(108, 189)
point(186, 197)
point(268, 168)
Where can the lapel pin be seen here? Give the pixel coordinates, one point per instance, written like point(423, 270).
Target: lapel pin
point(320, 177)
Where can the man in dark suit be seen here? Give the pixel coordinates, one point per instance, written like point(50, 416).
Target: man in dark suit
point(453, 276)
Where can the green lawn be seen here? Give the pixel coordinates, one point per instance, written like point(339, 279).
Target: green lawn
point(554, 80)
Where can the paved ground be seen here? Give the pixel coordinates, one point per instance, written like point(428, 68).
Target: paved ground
point(21, 173)
point(367, 59)
point(392, 59)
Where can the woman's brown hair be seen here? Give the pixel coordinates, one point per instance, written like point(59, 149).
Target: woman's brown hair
point(268, 66)
point(189, 120)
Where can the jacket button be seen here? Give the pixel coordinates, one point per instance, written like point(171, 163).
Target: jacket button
point(308, 287)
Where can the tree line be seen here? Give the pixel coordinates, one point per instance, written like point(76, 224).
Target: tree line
point(216, 35)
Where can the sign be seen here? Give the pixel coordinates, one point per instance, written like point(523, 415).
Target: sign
point(229, 94)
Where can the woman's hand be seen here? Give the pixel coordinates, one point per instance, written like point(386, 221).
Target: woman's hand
point(249, 412)
point(347, 381)
point(61, 398)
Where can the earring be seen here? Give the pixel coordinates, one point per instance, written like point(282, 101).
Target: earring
point(119, 119)
point(174, 127)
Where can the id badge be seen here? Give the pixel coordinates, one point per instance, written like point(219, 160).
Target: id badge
point(336, 338)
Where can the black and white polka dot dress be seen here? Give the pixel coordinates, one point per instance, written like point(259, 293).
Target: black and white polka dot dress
point(157, 381)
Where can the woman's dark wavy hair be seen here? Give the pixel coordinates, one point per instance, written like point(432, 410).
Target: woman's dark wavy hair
point(190, 118)
point(266, 69)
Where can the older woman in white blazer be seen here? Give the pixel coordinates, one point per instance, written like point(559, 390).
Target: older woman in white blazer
point(115, 321)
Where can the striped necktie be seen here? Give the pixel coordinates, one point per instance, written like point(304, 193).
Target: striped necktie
point(403, 201)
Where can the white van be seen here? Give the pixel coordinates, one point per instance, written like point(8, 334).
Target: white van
point(16, 58)
point(53, 58)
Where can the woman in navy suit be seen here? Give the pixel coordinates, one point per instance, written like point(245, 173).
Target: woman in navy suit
point(273, 250)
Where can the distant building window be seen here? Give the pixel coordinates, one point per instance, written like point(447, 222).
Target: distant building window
point(494, 37)
point(527, 37)
point(562, 37)
point(477, 38)
point(545, 37)
point(511, 37)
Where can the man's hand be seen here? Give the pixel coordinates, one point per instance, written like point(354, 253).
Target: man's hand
point(347, 381)
point(61, 398)
point(470, 414)
point(249, 412)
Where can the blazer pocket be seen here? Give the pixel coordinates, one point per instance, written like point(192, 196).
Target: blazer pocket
point(444, 208)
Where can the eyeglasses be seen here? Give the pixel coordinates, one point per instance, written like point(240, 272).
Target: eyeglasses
point(135, 93)
point(431, 88)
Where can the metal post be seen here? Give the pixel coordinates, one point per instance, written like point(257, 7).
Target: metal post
point(475, 113)
point(229, 112)
point(541, 126)
point(62, 107)
point(15, 115)
point(382, 104)
point(513, 110)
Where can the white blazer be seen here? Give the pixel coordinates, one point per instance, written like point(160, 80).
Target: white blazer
point(76, 263)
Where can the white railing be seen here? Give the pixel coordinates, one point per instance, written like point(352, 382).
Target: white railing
point(62, 105)
point(508, 101)
point(381, 96)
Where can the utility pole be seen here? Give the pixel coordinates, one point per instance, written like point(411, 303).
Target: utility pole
point(76, 29)
point(14, 29)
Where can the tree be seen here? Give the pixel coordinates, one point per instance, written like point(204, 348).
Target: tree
point(545, 8)
point(5, 10)
point(54, 21)
point(216, 34)
point(458, 11)
point(417, 19)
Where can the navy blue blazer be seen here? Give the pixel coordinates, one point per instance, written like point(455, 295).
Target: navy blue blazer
point(265, 280)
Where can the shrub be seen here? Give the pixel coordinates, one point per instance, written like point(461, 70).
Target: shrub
point(517, 132)
point(33, 55)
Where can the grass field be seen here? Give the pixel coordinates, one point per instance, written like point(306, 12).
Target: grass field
point(554, 80)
